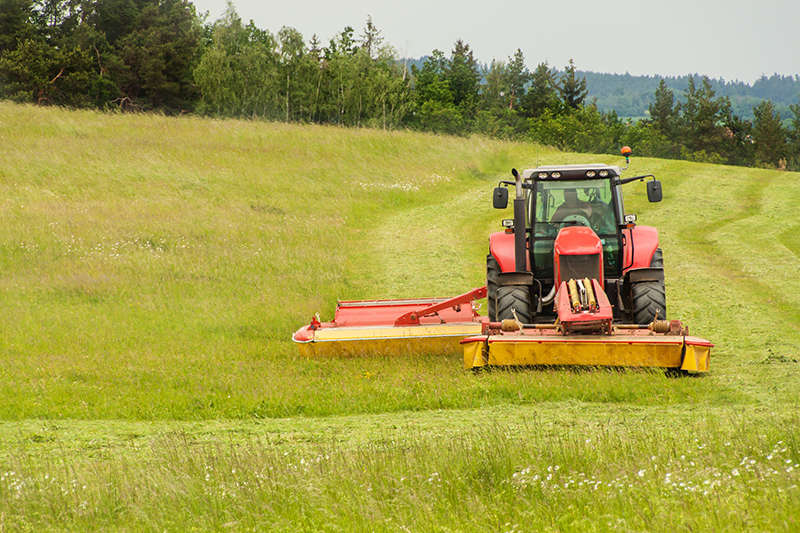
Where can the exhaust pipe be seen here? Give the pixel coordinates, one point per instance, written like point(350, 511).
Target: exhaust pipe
point(520, 233)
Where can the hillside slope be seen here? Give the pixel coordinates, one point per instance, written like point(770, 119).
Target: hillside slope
point(153, 270)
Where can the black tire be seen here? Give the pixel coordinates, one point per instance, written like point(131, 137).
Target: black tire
point(492, 271)
point(650, 298)
point(658, 259)
point(649, 302)
point(517, 298)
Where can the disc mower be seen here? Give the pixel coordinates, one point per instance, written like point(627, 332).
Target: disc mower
point(571, 280)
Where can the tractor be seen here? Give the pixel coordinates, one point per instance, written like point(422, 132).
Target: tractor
point(570, 223)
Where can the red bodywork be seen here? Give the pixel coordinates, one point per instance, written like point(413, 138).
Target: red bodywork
point(597, 319)
point(576, 240)
point(640, 245)
point(501, 246)
point(407, 312)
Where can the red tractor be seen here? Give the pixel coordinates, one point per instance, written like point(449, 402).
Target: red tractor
point(570, 223)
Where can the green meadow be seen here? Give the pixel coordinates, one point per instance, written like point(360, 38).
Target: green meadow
point(153, 269)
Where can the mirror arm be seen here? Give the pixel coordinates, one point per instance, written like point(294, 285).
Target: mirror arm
point(628, 180)
point(528, 186)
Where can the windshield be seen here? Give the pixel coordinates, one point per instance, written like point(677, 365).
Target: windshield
point(562, 203)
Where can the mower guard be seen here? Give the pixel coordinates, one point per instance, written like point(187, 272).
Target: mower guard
point(394, 327)
point(621, 348)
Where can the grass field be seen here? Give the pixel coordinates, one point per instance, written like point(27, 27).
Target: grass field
point(152, 271)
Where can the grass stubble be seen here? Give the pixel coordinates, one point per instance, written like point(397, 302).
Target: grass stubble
point(154, 269)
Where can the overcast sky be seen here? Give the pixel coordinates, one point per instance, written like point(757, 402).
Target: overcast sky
point(731, 39)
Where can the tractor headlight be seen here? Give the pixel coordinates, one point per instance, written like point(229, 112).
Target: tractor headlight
point(542, 175)
point(555, 175)
point(591, 173)
point(603, 173)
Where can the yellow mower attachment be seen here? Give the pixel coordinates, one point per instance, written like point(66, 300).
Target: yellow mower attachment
point(657, 345)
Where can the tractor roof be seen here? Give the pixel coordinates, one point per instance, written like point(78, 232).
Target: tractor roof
point(571, 172)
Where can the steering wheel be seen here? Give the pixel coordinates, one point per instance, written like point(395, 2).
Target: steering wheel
point(576, 220)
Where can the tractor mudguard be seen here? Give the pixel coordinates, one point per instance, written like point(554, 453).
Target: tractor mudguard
point(501, 246)
point(641, 243)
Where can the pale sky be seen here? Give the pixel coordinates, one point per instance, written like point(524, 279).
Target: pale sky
point(731, 39)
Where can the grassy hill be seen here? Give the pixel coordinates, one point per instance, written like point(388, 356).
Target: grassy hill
point(153, 270)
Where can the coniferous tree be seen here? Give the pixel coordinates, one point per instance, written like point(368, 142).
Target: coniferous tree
point(518, 78)
point(496, 91)
point(463, 78)
point(59, 62)
point(793, 139)
point(542, 95)
point(160, 55)
point(571, 88)
point(664, 111)
point(704, 119)
point(769, 135)
point(16, 23)
point(435, 107)
point(739, 141)
point(371, 40)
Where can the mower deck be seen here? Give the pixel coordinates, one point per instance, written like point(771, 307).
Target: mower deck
point(621, 348)
point(394, 327)
point(385, 340)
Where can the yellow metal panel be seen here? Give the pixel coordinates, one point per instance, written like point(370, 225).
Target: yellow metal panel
point(473, 355)
point(439, 339)
point(604, 351)
point(697, 358)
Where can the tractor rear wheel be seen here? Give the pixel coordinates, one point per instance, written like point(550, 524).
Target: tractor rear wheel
point(492, 271)
point(658, 259)
point(516, 298)
point(650, 298)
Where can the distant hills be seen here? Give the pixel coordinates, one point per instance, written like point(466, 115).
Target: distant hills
point(630, 96)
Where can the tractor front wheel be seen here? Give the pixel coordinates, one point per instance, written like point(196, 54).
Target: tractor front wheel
point(649, 302)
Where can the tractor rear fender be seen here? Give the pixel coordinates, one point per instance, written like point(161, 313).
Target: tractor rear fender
point(640, 243)
point(501, 246)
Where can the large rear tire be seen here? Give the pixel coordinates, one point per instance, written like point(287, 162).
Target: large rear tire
point(658, 259)
point(650, 298)
point(516, 298)
point(492, 272)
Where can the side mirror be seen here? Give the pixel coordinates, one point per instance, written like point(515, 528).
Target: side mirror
point(654, 191)
point(500, 198)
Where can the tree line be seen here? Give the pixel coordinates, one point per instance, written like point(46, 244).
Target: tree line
point(160, 55)
point(630, 96)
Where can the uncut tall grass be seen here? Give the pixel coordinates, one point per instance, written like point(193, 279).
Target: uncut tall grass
point(153, 270)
